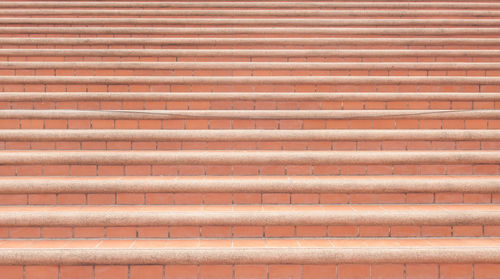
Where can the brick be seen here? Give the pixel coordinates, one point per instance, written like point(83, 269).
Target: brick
point(422, 271)
point(111, 272)
point(181, 271)
point(157, 231)
point(75, 272)
point(486, 271)
point(146, 271)
point(88, 232)
point(250, 272)
point(353, 271)
point(12, 272)
point(41, 272)
point(216, 272)
point(436, 231)
point(387, 271)
point(455, 271)
point(279, 231)
point(285, 271)
point(57, 232)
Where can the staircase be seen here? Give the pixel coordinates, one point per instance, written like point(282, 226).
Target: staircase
point(249, 139)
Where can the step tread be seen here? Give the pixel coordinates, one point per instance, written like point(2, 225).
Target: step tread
point(255, 215)
point(248, 184)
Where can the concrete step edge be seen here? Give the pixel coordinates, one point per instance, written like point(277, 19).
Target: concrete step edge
point(327, 66)
point(261, 184)
point(247, 135)
point(248, 157)
point(251, 52)
point(253, 41)
point(255, 30)
point(343, 80)
point(248, 215)
point(244, 96)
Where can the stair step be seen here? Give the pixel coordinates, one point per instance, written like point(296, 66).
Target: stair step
point(315, 53)
point(247, 215)
point(326, 43)
point(246, 96)
point(318, 31)
point(245, 5)
point(251, 22)
point(242, 184)
point(249, 135)
point(300, 251)
point(248, 157)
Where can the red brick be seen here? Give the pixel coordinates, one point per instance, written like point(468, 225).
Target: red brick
point(486, 271)
point(111, 272)
point(455, 271)
point(388, 271)
point(41, 272)
point(181, 271)
point(353, 271)
point(75, 272)
point(12, 272)
point(422, 271)
point(285, 271)
point(57, 232)
point(146, 271)
point(250, 272)
point(216, 272)
point(279, 231)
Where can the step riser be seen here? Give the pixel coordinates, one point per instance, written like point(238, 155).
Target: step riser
point(247, 232)
point(333, 271)
point(435, 124)
point(247, 198)
point(42, 86)
point(186, 170)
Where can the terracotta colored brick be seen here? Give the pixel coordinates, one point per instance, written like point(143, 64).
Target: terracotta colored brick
point(111, 272)
point(130, 198)
point(12, 272)
point(248, 231)
point(343, 231)
point(353, 271)
point(41, 199)
point(373, 231)
point(467, 231)
point(279, 231)
point(285, 271)
point(436, 231)
point(159, 198)
point(146, 271)
point(88, 232)
point(11, 199)
point(486, 271)
point(216, 231)
point(24, 232)
point(455, 271)
point(273, 198)
point(250, 272)
point(420, 198)
point(41, 272)
point(71, 199)
point(101, 198)
point(121, 232)
point(247, 198)
point(218, 198)
point(305, 198)
point(216, 272)
point(75, 272)
point(449, 197)
point(388, 271)
point(405, 231)
point(310, 231)
point(422, 271)
point(334, 198)
point(57, 232)
point(188, 198)
point(80, 170)
point(181, 271)
point(156, 231)
point(184, 231)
